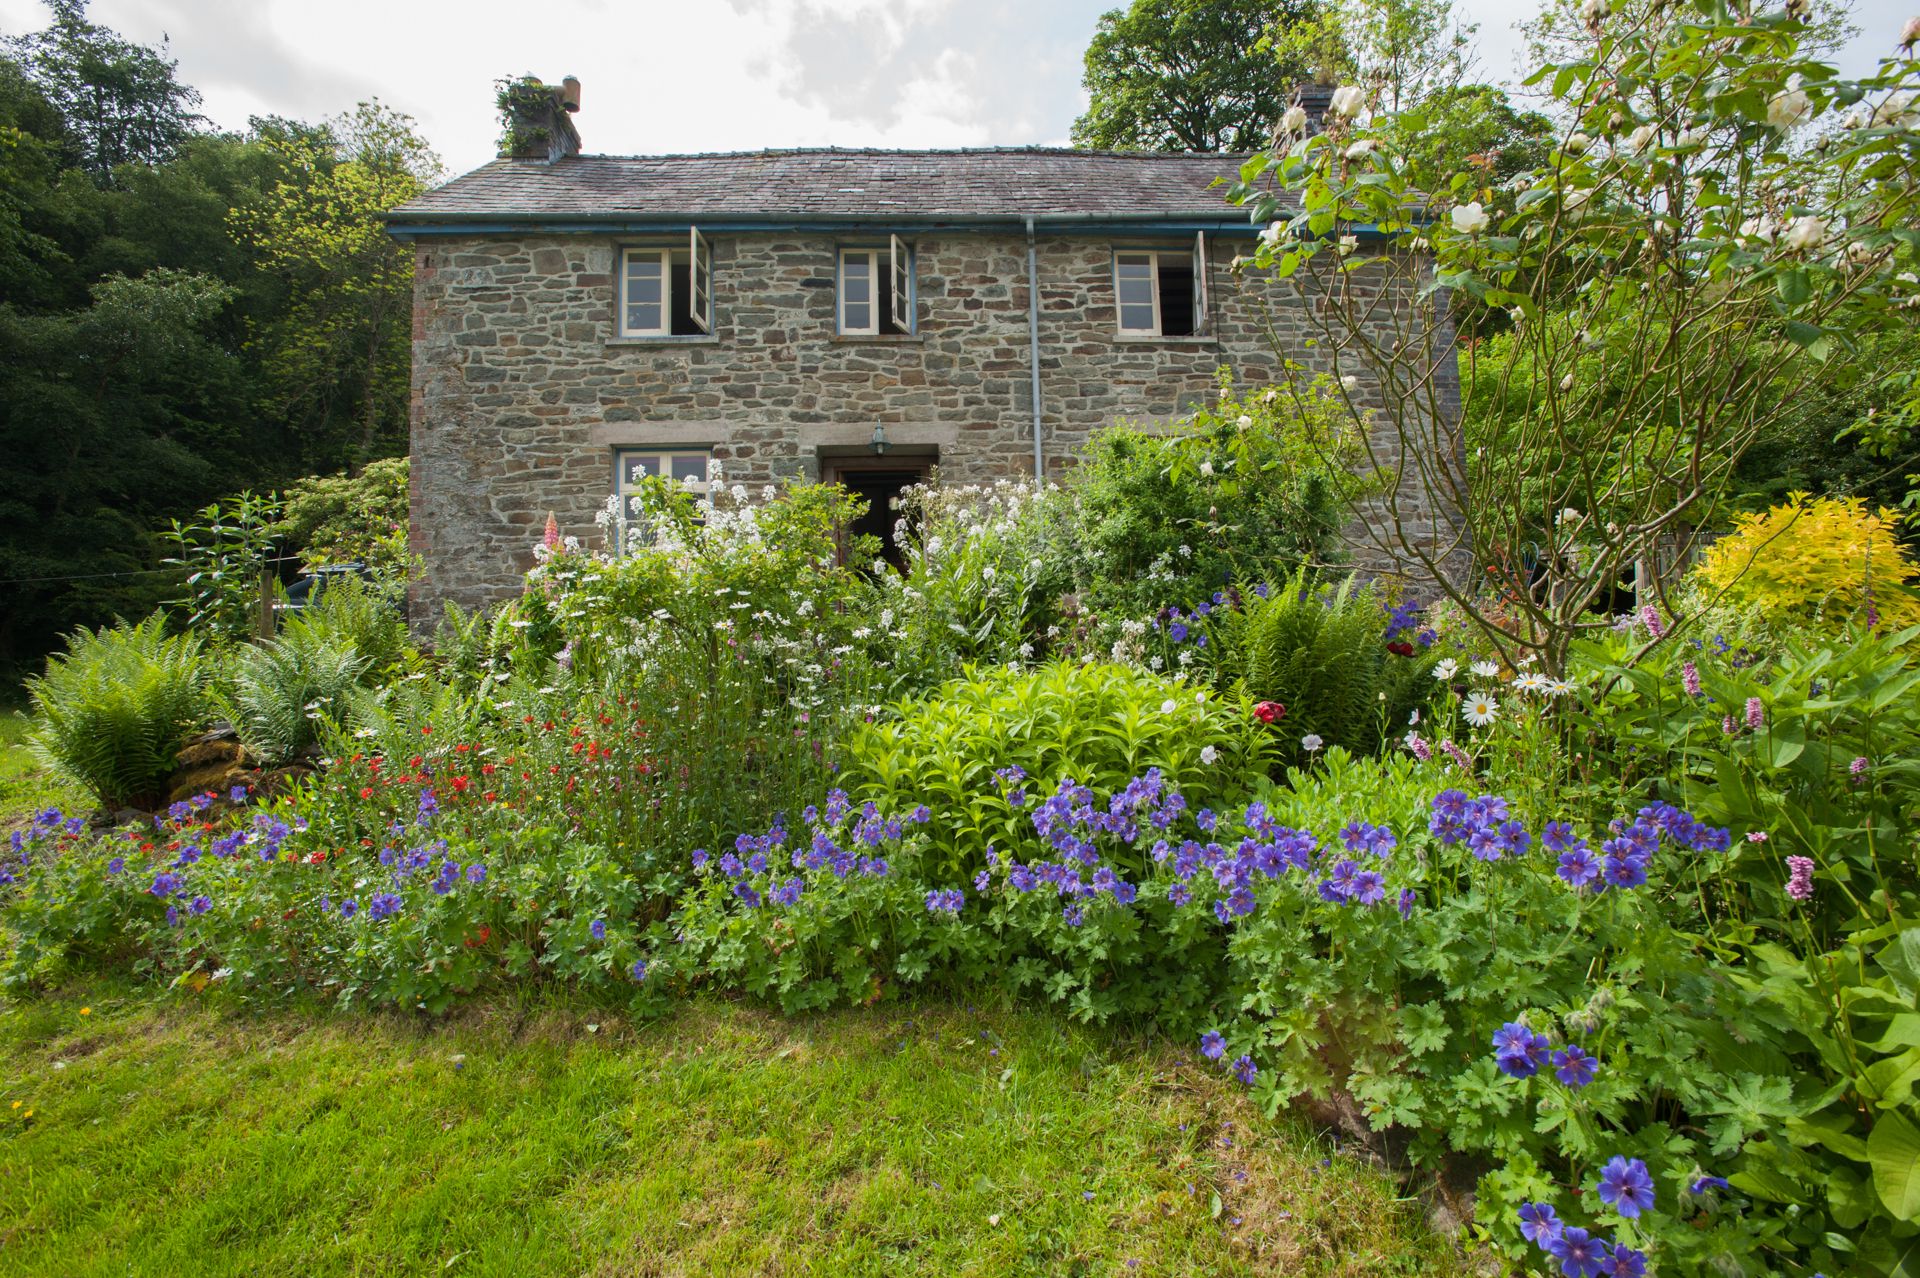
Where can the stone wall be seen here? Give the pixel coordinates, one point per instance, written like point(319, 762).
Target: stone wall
point(521, 391)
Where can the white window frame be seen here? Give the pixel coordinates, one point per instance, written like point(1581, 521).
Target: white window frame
point(890, 267)
point(624, 482)
point(1197, 260)
point(699, 255)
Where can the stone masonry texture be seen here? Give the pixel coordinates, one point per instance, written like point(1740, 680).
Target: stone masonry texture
point(522, 392)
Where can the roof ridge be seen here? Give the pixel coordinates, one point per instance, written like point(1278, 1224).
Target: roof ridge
point(1223, 156)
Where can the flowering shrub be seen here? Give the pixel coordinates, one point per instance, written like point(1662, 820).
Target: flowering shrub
point(1255, 484)
point(1826, 561)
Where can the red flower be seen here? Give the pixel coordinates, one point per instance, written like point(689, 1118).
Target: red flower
point(1400, 648)
point(1269, 712)
point(367, 793)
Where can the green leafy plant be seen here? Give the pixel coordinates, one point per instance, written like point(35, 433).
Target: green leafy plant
point(1099, 725)
point(284, 689)
point(226, 552)
point(118, 704)
point(1349, 671)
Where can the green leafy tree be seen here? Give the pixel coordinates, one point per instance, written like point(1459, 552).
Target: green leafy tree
point(119, 100)
point(1190, 75)
point(337, 357)
point(1680, 256)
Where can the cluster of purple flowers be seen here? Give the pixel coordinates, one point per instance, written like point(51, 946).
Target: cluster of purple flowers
point(1481, 823)
point(384, 905)
point(1406, 616)
point(842, 841)
point(1181, 626)
point(1521, 1052)
point(1625, 1186)
point(945, 901)
point(1213, 1046)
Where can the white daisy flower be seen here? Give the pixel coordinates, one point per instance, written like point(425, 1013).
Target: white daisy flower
point(1480, 709)
point(1485, 669)
point(1531, 681)
point(1446, 670)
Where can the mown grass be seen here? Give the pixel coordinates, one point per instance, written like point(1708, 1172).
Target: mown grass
point(151, 1134)
point(26, 784)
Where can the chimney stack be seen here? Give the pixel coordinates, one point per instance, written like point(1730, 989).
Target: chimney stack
point(1316, 100)
point(539, 119)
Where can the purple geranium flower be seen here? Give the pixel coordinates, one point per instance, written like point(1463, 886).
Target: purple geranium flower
point(1626, 1186)
point(1212, 1045)
point(1539, 1223)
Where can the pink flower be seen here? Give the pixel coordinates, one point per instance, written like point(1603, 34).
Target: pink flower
point(1756, 714)
point(1799, 877)
point(1690, 679)
point(1421, 750)
point(551, 540)
point(1458, 755)
point(1858, 767)
point(1756, 836)
point(1728, 726)
point(1650, 618)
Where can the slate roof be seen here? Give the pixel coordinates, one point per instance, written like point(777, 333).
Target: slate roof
point(836, 183)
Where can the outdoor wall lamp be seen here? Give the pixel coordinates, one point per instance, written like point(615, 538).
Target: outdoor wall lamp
point(879, 441)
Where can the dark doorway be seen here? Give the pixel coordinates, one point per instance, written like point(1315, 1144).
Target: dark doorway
point(880, 481)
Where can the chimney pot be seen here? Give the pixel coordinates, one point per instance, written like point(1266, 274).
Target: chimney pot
point(570, 93)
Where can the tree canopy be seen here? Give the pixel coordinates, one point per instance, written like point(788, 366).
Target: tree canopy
point(1190, 75)
point(183, 313)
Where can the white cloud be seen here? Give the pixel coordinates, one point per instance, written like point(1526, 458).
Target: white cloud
point(686, 75)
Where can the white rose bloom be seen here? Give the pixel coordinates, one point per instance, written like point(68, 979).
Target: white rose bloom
point(1470, 219)
point(1348, 100)
point(1788, 109)
point(1758, 228)
point(1347, 244)
point(1244, 422)
point(1910, 34)
point(1349, 383)
point(1807, 232)
point(1275, 232)
point(1566, 383)
point(1640, 138)
point(1294, 121)
point(1206, 468)
point(1593, 10)
point(1361, 149)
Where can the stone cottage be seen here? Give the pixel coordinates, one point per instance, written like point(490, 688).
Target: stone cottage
point(853, 315)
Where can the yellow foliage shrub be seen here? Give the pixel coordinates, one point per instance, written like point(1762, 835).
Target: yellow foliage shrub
point(1817, 559)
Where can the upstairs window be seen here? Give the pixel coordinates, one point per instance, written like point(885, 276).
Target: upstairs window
point(1162, 292)
point(876, 290)
point(667, 291)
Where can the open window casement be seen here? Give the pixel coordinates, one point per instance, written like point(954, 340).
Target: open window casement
point(1160, 292)
point(1202, 317)
point(665, 291)
point(870, 305)
point(900, 273)
point(700, 256)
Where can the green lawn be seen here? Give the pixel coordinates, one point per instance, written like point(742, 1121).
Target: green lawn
point(185, 1134)
point(25, 785)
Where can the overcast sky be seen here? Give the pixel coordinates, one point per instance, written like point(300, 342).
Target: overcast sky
point(689, 75)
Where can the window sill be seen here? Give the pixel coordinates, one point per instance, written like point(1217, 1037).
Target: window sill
point(885, 339)
point(698, 339)
point(1155, 339)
